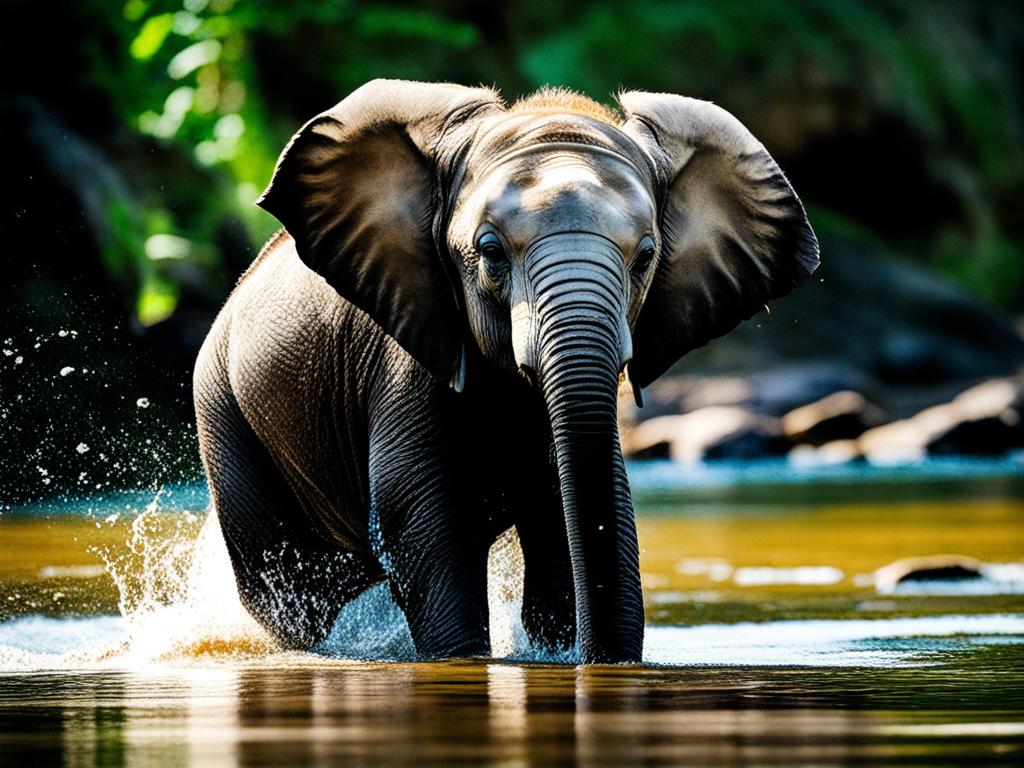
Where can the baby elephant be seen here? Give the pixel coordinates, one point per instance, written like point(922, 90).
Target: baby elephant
point(430, 351)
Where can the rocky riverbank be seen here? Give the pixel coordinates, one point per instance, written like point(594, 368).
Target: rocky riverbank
point(813, 419)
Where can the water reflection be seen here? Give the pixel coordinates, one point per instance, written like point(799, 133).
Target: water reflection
point(505, 714)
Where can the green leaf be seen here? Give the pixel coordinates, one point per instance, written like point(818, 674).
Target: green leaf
point(405, 22)
point(152, 36)
point(157, 300)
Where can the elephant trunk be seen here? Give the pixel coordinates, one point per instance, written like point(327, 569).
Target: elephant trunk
point(577, 290)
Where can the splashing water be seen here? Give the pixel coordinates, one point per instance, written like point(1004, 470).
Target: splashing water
point(177, 592)
point(373, 628)
point(178, 601)
point(505, 597)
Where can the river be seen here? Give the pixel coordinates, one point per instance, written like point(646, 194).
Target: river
point(769, 639)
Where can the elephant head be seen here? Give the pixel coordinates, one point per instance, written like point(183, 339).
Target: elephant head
point(564, 241)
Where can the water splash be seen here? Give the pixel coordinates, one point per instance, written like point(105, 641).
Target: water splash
point(505, 596)
point(373, 627)
point(178, 602)
point(505, 605)
point(176, 597)
point(177, 592)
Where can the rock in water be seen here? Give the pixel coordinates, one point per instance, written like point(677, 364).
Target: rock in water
point(926, 568)
point(713, 433)
point(842, 415)
point(984, 420)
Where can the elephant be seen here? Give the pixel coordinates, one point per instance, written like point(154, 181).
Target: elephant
point(431, 350)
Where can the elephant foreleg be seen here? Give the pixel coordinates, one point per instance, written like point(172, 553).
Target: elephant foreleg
point(549, 607)
point(435, 560)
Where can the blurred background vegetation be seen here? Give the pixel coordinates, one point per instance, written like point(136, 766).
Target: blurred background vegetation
point(138, 134)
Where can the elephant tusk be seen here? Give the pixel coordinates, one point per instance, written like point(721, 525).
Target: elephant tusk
point(458, 379)
point(638, 392)
point(527, 373)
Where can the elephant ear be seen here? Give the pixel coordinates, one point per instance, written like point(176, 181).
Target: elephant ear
point(354, 189)
point(734, 233)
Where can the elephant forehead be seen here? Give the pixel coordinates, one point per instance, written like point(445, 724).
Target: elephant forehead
point(570, 190)
point(591, 171)
point(507, 135)
point(556, 175)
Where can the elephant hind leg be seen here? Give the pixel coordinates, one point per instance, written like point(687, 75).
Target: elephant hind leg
point(291, 578)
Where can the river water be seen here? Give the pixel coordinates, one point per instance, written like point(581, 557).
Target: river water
point(768, 640)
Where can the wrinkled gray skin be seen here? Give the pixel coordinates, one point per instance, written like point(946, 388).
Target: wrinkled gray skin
point(431, 351)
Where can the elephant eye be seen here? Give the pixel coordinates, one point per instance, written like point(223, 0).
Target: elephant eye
point(489, 246)
point(645, 252)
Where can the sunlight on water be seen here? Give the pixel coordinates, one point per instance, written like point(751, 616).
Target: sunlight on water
point(821, 643)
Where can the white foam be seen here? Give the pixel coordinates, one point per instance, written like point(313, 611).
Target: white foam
point(71, 571)
point(37, 643)
point(751, 576)
point(46, 636)
point(814, 643)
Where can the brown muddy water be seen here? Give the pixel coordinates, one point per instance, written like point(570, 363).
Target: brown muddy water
point(768, 643)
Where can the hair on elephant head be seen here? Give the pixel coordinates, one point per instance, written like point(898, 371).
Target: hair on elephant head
point(568, 243)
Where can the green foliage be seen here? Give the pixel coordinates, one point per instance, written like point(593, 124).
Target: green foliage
point(224, 82)
point(415, 25)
